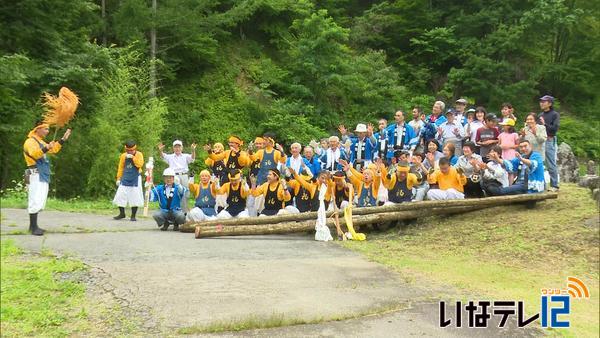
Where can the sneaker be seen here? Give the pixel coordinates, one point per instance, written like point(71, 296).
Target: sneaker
point(553, 189)
point(165, 227)
point(176, 227)
point(119, 217)
point(133, 219)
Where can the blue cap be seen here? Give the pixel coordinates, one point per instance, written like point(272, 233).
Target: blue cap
point(547, 98)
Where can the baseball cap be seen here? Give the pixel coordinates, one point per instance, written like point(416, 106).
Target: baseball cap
point(507, 122)
point(462, 101)
point(177, 143)
point(547, 98)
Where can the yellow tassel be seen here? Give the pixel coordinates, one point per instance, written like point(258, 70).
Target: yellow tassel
point(356, 236)
point(60, 110)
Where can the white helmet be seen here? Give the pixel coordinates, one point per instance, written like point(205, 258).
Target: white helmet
point(169, 172)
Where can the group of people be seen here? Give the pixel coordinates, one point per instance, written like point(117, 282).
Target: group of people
point(449, 154)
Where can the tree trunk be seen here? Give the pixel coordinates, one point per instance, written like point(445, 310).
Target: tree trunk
point(424, 205)
point(309, 225)
point(153, 52)
point(104, 23)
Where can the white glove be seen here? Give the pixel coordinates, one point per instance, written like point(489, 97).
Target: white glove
point(129, 155)
point(118, 183)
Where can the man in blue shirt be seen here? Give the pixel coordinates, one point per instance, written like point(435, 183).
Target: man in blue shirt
point(169, 196)
point(401, 136)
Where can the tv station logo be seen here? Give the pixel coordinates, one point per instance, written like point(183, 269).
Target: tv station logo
point(555, 307)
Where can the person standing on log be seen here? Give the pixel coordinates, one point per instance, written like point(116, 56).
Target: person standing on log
point(129, 181)
point(37, 174)
point(313, 162)
point(218, 168)
point(237, 192)
point(178, 161)
point(205, 193)
point(550, 118)
point(169, 196)
point(275, 193)
point(450, 182)
point(469, 164)
point(366, 184)
point(269, 157)
point(399, 182)
point(234, 157)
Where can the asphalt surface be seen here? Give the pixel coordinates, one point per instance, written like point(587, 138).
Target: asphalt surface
point(171, 280)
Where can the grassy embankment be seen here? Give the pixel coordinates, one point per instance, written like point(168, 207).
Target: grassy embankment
point(503, 253)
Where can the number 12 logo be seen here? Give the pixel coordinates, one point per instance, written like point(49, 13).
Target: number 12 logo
point(555, 311)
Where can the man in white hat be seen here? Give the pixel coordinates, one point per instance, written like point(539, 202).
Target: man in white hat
point(178, 161)
point(362, 146)
point(169, 196)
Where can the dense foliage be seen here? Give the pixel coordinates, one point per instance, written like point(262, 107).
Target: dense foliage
point(294, 67)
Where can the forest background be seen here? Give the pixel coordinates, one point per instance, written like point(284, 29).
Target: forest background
point(200, 70)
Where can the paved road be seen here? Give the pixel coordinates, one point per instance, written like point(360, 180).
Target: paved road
point(172, 280)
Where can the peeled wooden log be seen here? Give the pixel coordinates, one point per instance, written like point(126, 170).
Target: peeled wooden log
point(203, 231)
point(423, 205)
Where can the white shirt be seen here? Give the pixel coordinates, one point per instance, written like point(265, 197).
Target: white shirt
point(495, 171)
point(448, 131)
point(296, 163)
point(179, 163)
point(416, 125)
point(473, 126)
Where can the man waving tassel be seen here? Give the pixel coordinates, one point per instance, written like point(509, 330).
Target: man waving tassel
point(37, 175)
point(129, 181)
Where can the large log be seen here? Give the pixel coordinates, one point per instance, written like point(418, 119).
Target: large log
point(309, 225)
point(423, 205)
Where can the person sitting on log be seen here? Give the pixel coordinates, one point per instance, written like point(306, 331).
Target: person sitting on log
point(218, 168)
point(398, 181)
point(275, 193)
point(366, 184)
point(129, 181)
point(528, 167)
point(205, 194)
point(450, 182)
point(234, 157)
point(307, 189)
point(341, 191)
point(169, 196)
point(269, 156)
point(470, 165)
point(237, 192)
point(494, 174)
point(419, 169)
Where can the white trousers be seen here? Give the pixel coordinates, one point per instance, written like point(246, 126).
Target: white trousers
point(450, 194)
point(224, 214)
point(197, 215)
point(37, 194)
point(184, 180)
point(132, 196)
